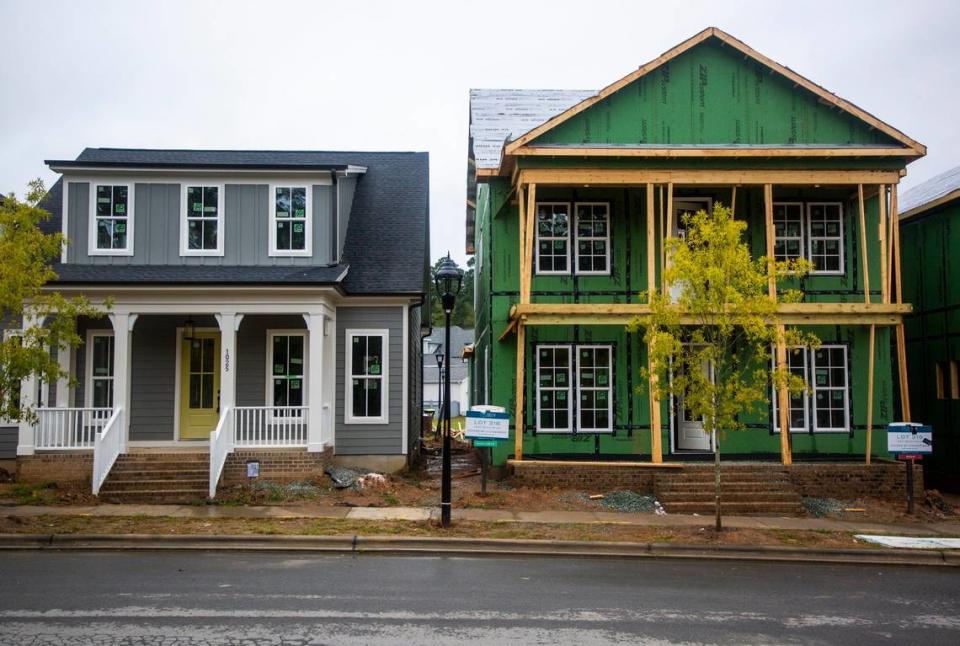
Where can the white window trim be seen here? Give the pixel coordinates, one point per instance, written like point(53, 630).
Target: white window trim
point(348, 417)
point(846, 389)
point(536, 239)
point(608, 388)
point(184, 229)
point(570, 389)
point(268, 386)
point(308, 222)
point(806, 394)
point(92, 219)
point(576, 239)
point(804, 251)
point(88, 367)
point(842, 238)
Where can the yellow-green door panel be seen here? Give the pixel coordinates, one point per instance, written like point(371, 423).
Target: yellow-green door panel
point(199, 385)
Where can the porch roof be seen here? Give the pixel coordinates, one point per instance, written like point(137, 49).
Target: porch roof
point(71, 274)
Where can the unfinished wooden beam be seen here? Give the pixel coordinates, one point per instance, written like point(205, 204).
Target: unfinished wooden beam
point(733, 200)
point(651, 245)
point(898, 285)
point(863, 244)
point(891, 223)
point(721, 177)
point(522, 229)
point(870, 364)
point(667, 233)
point(771, 240)
point(737, 152)
point(518, 434)
point(783, 399)
point(902, 369)
point(885, 289)
point(528, 243)
point(656, 443)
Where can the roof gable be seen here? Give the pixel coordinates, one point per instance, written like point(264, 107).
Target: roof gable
point(714, 90)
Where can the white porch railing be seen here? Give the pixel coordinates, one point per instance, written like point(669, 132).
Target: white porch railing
point(270, 426)
point(69, 428)
point(221, 445)
point(106, 448)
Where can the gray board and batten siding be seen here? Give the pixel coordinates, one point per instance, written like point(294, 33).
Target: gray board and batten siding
point(246, 226)
point(372, 439)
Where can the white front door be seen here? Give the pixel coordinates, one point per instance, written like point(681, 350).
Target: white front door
point(690, 433)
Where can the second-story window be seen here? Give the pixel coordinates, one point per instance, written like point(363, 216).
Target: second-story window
point(825, 226)
point(788, 230)
point(202, 221)
point(112, 219)
point(553, 238)
point(290, 221)
point(593, 237)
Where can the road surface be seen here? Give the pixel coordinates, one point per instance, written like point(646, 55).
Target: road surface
point(191, 598)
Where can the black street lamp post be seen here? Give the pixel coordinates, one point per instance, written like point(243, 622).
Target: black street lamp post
point(438, 355)
point(449, 280)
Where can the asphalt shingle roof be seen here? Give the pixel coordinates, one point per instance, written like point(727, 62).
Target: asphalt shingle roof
point(386, 250)
point(459, 338)
point(930, 190)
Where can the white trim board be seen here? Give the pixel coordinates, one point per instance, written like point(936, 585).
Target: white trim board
point(384, 376)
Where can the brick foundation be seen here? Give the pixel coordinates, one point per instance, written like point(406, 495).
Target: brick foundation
point(63, 468)
point(828, 480)
point(280, 465)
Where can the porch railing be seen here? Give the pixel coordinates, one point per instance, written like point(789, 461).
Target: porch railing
point(221, 444)
point(69, 428)
point(106, 448)
point(270, 426)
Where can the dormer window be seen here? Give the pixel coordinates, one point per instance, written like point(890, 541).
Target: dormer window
point(201, 224)
point(111, 222)
point(290, 217)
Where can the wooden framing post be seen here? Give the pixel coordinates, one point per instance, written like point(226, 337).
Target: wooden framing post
point(522, 229)
point(656, 449)
point(783, 394)
point(869, 448)
point(901, 334)
point(530, 222)
point(518, 431)
point(733, 200)
point(884, 281)
point(863, 244)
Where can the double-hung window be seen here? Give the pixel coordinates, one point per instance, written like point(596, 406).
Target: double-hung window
point(812, 230)
point(202, 221)
point(825, 232)
point(553, 238)
point(111, 220)
point(287, 370)
point(574, 388)
point(290, 221)
point(593, 237)
point(367, 382)
point(99, 369)
point(825, 406)
point(788, 230)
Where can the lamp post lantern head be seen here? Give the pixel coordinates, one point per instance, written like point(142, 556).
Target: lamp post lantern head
point(438, 355)
point(448, 281)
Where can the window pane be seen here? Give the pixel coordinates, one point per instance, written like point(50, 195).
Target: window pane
point(359, 398)
point(208, 391)
point(283, 235)
point(374, 355)
point(279, 392)
point(119, 234)
point(104, 233)
point(120, 201)
point(210, 234)
point(194, 201)
point(283, 202)
point(373, 398)
point(299, 200)
point(298, 239)
point(280, 344)
point(195, 363)
point(102, 359)
point(295, 391)
point(103, 393)
point(208, 355)
point(358, 355)
point(210, 205)
point(104, 200)
point(194, 391)
point(296, 356)
point(194, 234)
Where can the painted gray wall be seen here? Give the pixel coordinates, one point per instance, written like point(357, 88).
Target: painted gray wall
point(372, 439)
point(414, 379)
point(156, 226)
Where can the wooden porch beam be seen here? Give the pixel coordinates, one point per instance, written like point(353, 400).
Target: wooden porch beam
point(518, 430)
point(706, 152)
point(530, 227)
point(640, 177)
point(768, 229)
point(863, 244)
point(884, 282)
point(522, 228)
point(783, 399)
point(870, 365)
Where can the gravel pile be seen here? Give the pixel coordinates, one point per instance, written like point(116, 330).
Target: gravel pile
point(630, 501)
point(821, 507)
point(277, 491)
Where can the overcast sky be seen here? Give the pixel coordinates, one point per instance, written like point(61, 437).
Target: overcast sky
point(395, 75)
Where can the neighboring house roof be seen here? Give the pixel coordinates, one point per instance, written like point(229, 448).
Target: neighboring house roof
point(497, 116)
point(391, 202)
point(459, 368)
point(938, 190)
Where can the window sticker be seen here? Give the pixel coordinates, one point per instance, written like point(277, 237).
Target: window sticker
point(298, 227)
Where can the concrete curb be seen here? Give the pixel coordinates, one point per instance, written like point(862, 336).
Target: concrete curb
point(434, 546)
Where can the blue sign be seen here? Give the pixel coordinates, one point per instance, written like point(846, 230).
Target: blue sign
point(488, 424)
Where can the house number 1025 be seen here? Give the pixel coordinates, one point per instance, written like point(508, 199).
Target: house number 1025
point(226, 360)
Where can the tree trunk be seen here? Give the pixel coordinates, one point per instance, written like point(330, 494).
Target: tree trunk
point(716, 471)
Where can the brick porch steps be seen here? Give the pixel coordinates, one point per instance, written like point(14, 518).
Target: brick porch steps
point(744, 490)
point(174, 477)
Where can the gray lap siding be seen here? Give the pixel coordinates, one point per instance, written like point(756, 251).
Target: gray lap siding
point(371, 439)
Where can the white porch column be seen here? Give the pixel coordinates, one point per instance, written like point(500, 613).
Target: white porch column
point(63, 384)
point(229, 323)
point(122, 342)
point(26, 441)
point(315, 417)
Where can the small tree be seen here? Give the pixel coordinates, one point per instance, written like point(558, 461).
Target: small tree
point(711, 344)
point(26, 254)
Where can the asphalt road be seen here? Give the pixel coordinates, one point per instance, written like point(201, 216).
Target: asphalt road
point(276, 598)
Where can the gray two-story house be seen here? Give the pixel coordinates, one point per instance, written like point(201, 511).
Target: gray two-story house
point(263, 307)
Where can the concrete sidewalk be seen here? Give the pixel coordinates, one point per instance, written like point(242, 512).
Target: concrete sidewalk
point(424, 514)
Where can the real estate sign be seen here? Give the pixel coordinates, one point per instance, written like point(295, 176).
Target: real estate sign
point(914, 439)
point(488, 423)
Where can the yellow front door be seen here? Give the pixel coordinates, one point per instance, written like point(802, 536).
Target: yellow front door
point(199, 385)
